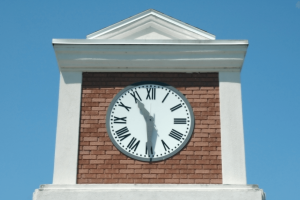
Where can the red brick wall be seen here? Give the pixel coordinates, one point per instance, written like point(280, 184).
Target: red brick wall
point(198, 163)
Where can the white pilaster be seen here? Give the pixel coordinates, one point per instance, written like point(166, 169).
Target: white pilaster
point(232, 133)
point(67, 134)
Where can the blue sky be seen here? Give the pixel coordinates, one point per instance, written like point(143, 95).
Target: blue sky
point(29, 81)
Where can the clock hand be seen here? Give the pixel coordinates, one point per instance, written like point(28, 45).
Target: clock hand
point(149, 122)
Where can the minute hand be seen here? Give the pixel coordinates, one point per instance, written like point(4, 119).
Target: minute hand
point(149, 122)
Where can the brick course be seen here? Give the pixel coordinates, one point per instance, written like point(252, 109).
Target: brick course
point(198, 163)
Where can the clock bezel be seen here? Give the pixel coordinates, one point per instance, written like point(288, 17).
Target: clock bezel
point(153, 159)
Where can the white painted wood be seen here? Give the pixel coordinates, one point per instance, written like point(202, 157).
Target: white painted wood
point(232, 133)
point(67, 134)
point(148, 192)
point(149, 24)
point(152, 42)
point(151, 18)
point(210, 56)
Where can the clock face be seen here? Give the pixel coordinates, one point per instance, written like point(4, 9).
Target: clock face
point(150, 121)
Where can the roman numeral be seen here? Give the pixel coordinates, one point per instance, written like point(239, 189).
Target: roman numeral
point(135, 97)
point(151, 93)
point(165, 97)
point(147, 150)
point(176, 135)
point(176, 107)
point(165, 145)
point(179, 120)
point(132, 144)
point(121, 132)
point(123, 137)
point(121, 120)
point(126, 107)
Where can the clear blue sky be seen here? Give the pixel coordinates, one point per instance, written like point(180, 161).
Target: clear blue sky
point(29, 81)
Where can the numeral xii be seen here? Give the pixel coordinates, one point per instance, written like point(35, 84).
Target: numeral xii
point(151, 93)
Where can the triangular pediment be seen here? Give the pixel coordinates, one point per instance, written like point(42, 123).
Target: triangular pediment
point(151, 25)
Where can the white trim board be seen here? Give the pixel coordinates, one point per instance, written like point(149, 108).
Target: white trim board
point(67, 133)
point(149, 42)
point(232, 132)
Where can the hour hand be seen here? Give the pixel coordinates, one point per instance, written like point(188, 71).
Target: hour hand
point(150, 125)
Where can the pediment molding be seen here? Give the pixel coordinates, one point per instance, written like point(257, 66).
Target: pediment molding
point(151, 25)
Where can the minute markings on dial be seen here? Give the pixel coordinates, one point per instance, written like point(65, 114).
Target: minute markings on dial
point(121, 120)
point(132, 144)
point(151, 93)
point(176, 135)
point(175, 107)
point(126, 107)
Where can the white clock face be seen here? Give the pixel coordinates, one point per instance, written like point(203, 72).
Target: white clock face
point(150, 121)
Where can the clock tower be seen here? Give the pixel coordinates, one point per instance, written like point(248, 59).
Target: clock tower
point(149, 107)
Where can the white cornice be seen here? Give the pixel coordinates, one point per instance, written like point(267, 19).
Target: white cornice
point(149, 42)
point(150, 56)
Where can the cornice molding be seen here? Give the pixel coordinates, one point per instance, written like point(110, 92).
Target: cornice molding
point(150, 56)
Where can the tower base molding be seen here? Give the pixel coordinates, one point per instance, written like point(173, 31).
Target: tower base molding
point(148, 192)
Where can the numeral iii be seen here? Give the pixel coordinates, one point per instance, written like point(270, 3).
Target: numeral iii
point(179, 120)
